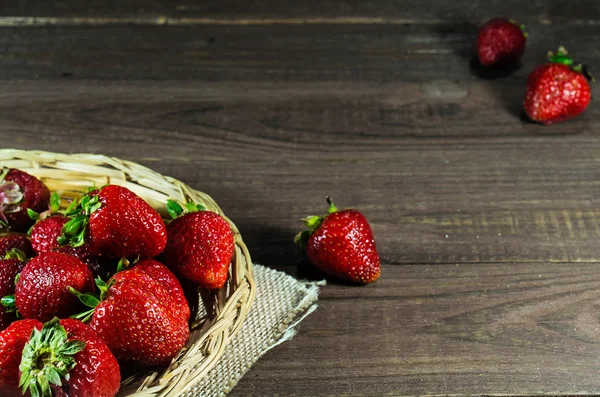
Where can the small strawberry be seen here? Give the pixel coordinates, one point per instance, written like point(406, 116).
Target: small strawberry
point(199, 246)
point(42, 290)
point(20, 192)
point(18, 241)
point(12, 342)
point(558, 90)
point(11, 264)
point(141, 314)
point(115, 222)
point(500, 42)
point(341, 244)
point(45, 233)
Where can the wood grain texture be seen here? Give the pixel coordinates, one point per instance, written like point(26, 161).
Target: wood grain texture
point(268, 52)
point(510, 329)
point(442, 180)
point(548, 11)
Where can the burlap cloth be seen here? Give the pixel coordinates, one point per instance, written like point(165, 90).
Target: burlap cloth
point(281, 303)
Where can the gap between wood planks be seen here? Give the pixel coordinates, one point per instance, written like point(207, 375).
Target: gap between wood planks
point(161, 20)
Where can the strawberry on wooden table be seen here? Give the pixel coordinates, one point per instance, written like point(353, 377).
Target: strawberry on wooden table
point(19, 192)
point(18, 241)
point(500, 42)
point(11, 264)
point(341, 244)
point(12, 342)
point(42, 290)
point(115, 222)
point(141, 314)
point(200, 245)
point(558, 90)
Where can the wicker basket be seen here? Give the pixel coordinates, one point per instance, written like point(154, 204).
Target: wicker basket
point(222, 313)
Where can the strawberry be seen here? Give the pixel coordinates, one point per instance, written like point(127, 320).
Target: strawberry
point(42, 290)
point(98, 265)
point(12, 342)
point(141, 314)
point(45, 233)
point(558, 90)
point(199, 246)
point(500, 42)
point(60, 358)
point(11, 264)
point(116, 222)
point(341, 244)
point(18, 241)
point(20, 192)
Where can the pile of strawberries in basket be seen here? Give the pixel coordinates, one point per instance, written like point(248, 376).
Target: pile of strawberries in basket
point(98, 284)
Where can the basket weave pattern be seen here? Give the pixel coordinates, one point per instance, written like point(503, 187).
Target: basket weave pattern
point(221, 313)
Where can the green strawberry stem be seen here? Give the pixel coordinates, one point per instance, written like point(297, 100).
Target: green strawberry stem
point(16, 253)
point(73, 232)
point(176, 210)
point(90, 300)
point(312, 223)
point(47, 359)
point(9, 304)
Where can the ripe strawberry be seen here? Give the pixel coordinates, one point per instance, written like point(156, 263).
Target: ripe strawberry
point(11, 264)
point(45, 233)
point(18, 241)
point(199, 246)
point(500, 42)
point(557, 91)
point(61, 358)
point(19, 192)
point(141, 314)
point(42, 290)
point(341, 244)
point(117, 223)
point(12, 341)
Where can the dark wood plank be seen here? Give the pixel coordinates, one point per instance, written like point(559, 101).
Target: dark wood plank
point(381, 53)
point(413, 10)
point(443, 180)
point(468, 329)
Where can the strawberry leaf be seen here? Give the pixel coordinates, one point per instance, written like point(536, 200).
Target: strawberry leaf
point(9, 303)
point(87, 299)
point(15, 253)
point(33, 215)
point(193, 207)
point(54, 202)
point(174, 209)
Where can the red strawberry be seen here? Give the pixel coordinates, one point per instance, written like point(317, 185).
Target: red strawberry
point(18, 241)
point(45, 233)
point(199, 247)
point(118, 223)
point(500, 42)
point(19, 192)
point(142, 314)
point(81, 364)
point(341, 244)
point(12, 341)
point(42, 291)
point(11, 264)
point(557, 91)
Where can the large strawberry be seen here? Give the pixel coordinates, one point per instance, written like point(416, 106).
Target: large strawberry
point(115, 222)
point(500, 42)
point(61, 358)
point(341, 244)
point(43, 288)
point(11, 264)
point(141, 314)
point(18, 241)
point(12, 342)
point(19, 192)
point(199, 247)
point(558, 90)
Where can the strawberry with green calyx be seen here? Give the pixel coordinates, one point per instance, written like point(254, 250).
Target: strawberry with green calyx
point(341, 244)
point(19, 192)
point(141, 314)
point(10, 266)
point(558, 90)
point(115, 222)
point(200, 246)
point(12, 342)
point(42, 290)
point(66, 358)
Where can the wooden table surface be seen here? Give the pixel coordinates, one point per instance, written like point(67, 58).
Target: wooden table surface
point(488, 226)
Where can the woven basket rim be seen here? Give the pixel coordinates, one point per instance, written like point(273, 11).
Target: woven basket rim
point(223, 311)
